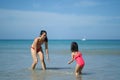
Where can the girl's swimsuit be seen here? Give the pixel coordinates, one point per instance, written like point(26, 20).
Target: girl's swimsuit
point(79, 59)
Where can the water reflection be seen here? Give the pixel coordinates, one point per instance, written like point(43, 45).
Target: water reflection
point(79, 77)
point(38, 75)
point(53, 74)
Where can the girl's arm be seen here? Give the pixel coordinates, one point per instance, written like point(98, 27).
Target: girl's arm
point(72, 59)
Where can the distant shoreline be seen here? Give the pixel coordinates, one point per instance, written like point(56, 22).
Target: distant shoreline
point(64, 39)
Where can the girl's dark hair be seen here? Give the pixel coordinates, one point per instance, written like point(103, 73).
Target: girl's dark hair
point(74, 47)
point(43, 31)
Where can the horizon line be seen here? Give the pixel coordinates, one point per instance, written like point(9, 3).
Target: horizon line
point(61, 39)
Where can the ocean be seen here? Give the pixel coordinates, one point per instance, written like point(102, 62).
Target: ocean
point(101, 60)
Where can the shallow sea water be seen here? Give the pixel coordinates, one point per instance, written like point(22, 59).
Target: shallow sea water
point(101, 61)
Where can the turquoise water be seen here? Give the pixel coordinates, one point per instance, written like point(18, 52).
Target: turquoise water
point(101, 57)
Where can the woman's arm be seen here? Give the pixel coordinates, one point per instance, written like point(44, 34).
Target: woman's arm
point(46, 50)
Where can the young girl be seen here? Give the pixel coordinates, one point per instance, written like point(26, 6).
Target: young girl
point(36, 49)
point(76, 55)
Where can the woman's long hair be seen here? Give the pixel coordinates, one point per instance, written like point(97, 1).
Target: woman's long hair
point(43, 31)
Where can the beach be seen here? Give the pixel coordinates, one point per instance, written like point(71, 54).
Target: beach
point(101, 60)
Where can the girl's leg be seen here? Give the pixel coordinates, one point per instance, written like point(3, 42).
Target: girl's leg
point(78, 70)
point(42, 60)
point(79, 77)
point(34, 57)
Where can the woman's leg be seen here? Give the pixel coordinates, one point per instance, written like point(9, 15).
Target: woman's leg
point(34, 57)
point(42, 60)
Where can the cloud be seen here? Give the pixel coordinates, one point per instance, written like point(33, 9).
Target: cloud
point(14, 17)
point(58, 25)
point(31, 18)
point(86, 3)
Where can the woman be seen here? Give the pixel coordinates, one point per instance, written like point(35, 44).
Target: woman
point(36, 49)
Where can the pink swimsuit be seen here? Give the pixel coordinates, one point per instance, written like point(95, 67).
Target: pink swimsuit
point(79, 59)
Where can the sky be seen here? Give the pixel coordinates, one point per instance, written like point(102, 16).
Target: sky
point(62, 19)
